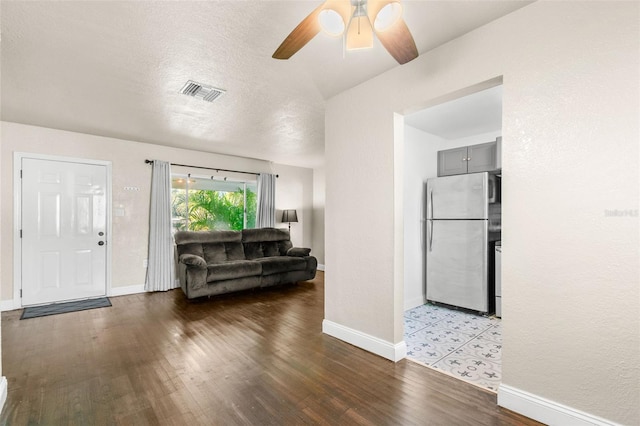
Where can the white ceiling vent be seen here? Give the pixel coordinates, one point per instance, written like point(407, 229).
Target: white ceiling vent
point(201, 91)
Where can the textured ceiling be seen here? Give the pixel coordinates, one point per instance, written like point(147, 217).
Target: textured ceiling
point(114, 68)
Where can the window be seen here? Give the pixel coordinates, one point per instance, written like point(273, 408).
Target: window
point(205, 203)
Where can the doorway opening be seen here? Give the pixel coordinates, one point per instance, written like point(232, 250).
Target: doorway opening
point(440, 332)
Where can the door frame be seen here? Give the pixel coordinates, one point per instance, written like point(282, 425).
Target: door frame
point(17, 216)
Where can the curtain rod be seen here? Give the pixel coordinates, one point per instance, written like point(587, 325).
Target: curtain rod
point(210, 168)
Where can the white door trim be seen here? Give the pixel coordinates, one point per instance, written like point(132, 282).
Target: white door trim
point(17, 216)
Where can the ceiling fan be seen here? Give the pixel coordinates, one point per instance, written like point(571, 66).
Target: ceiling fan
point(358, 20)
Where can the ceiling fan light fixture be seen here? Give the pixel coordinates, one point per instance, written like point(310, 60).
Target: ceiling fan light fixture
point(355, 19)
point(388, 16)
point(360, 8)
point(331, 22)
point(359, 33)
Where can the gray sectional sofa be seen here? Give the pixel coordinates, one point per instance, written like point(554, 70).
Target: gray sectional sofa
point(217, 262)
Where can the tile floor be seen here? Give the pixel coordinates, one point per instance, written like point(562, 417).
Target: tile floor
point(461, 344)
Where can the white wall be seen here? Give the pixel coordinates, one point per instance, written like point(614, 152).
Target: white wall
point(3, 380)
point(421, 163)
point(294, 190)
point(129, 239)
point(318, 213)
point(570, 157)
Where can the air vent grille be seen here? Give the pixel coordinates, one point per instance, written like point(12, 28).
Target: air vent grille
point(201, 91)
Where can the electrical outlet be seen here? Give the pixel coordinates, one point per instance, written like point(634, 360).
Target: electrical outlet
point(145, 263)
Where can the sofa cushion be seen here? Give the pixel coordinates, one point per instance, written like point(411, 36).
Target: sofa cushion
point(264, 234)
point(203, 237)
point(235, 251)
point(265, 242)
point(284, 246)
point(270, 248)
point(253, 251)
point(298, 251)
point(214, 253)
point(213, 246)
point(266, 249)
point(222, 252)
point(279, 264)
point(232, 269)
point(190, 248)
point(192, 259)
point(261, 249)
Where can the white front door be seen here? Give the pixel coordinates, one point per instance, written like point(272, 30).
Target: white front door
point(64, 225)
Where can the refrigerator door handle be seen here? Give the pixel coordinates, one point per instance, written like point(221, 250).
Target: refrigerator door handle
point(431, 235)
point(430, 214)
point(491, 183)
point(430, 217)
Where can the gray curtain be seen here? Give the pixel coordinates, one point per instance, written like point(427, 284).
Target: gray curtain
point(161, 270)
point(266, 214)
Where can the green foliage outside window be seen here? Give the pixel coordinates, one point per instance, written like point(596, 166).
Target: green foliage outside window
point(209, 210)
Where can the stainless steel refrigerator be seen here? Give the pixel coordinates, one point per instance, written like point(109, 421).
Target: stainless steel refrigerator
point(463, 222)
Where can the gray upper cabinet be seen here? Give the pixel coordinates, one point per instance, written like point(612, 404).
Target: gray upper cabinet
point(481, 158)
point(468, 159)
point(452, 161)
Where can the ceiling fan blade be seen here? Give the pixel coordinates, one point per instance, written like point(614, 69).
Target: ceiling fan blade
point(301, 35)
point(399, 42)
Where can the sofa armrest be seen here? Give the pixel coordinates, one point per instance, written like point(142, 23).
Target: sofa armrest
point(192, 260)
point(298, 251)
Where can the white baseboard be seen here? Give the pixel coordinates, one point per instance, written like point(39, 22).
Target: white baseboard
point(320, 267)
point(130, 289)
point(412, 303)
point(8, 305)
point(3, 391)
point(544, 410)
point(365, 341)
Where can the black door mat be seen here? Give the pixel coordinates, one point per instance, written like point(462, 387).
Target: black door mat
point(63, 308)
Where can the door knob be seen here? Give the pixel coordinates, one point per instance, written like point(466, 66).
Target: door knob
point(100, 243)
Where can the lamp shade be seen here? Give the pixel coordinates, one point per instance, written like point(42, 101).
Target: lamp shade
point(289, 216)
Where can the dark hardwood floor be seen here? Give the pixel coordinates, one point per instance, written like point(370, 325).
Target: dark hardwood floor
point(252, 358)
